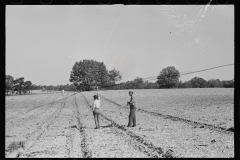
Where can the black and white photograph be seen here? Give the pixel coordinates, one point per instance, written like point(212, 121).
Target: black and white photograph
point(119, 81)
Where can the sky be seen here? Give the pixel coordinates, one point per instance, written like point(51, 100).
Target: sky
point(43, 42)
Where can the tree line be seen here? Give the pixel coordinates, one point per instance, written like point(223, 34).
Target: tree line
point(87, 74)
point(21, 87)
point(196, 82)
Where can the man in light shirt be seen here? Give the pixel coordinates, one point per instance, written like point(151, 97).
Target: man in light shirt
point(96, 111)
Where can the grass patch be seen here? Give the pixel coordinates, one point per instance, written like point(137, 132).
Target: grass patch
point(15, 146)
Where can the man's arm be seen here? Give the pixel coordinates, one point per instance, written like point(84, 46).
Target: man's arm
point(132, 101)
point(98, 94)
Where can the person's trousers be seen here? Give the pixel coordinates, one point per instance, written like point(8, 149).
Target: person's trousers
point(96, 113)
point(132, 117)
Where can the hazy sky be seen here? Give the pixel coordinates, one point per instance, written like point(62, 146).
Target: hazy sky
point(44, 42)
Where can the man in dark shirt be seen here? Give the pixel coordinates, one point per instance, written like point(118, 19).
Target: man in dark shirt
point(132, 115)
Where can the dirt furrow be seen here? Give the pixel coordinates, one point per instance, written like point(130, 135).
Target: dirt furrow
point(44, 99)
point(42, 105)
point(136, 141)
point(51, 102)
point(84, 147)
point(74, 139)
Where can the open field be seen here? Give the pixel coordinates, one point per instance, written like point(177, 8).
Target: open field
point(170, 123)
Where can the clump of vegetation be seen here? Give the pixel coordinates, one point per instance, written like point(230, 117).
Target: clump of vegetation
point(15, 146)
point(17, 85)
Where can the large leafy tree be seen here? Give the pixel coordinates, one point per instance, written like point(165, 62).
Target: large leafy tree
point(138, 83)
point(101, 76)
point(180, 84)
point(228, 84)
point(114, 76)
point(212, 83)
point(187, 84)
point(88, 73)
point(197, 82)
point(18, 84)
point(27, 86)
point(168, 77)
point(8, 83)
point(34, 86)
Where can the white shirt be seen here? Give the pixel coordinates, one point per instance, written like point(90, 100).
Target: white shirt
point(96, 103)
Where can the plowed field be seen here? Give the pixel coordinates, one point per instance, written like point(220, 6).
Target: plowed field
point(170, 123)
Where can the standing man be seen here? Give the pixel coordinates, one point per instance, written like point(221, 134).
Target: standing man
point(96, 109)
point(132, 115)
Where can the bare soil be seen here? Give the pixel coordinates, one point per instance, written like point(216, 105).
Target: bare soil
point(170, 123)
